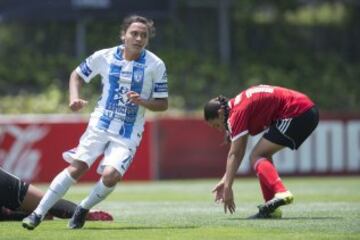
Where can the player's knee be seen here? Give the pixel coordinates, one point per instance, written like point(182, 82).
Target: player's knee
point(255, 156)
point(110, 177)
point(77, 169)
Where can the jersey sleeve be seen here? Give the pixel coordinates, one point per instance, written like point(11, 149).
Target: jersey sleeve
point(160, 88)
point(238, 125)
point(91, 66)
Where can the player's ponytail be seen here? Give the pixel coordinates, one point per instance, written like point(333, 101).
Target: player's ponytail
point(224, 105)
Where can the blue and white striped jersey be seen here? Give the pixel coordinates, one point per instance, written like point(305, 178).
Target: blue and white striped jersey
point(146, 76)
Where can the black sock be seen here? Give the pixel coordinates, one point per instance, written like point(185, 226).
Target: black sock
point(63, 209)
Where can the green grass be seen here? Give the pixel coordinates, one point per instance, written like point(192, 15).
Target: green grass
point(324, 208)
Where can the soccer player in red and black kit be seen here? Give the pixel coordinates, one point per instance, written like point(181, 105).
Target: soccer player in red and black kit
point(288, 118)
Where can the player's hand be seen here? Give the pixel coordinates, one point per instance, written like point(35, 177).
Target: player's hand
point(229, 203)
point(219, 192)
point(134, 97)
point(77, 104)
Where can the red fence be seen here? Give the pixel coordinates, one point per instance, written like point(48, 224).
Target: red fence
point(189, 149)
point(31, 147)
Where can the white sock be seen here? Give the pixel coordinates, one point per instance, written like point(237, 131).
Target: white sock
point(98, 193)
point(57, 189)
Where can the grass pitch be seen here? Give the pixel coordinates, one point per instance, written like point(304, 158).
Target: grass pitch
point(324, 208)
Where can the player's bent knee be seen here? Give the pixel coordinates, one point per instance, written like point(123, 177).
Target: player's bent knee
point(111, 177)
point(77, 169)
point(110, 181)
point(254, 157)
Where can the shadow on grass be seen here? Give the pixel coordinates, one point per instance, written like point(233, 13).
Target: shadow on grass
point(286, 219)
point(139, 228)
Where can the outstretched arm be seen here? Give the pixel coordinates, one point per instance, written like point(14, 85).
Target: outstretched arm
point(224, 187)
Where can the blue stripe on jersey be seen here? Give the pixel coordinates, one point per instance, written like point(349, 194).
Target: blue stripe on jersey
point(112, 99)
point(85, 69)
point(136, 86)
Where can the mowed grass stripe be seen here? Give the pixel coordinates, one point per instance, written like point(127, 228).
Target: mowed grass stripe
point(324, 208)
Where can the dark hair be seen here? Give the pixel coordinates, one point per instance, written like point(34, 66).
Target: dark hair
point(211, 111)
point(212, 107)
point(135, 18)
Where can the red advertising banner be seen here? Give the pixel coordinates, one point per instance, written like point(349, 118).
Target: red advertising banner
point(32, 148)
point(190, 149)
point(173, 148)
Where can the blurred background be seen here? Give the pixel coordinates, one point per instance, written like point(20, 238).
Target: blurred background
point(210, 47)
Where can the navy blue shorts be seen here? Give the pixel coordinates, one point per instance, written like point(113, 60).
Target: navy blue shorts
point(292, 132)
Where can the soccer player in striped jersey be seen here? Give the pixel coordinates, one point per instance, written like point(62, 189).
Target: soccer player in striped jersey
point(288, 117)
point(134, 79)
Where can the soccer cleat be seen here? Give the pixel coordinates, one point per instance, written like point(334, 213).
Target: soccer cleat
point(271, 208)
point(278, 200)
point(31, 221)
point(99, 216)
point(78, 218)
point(276, 214)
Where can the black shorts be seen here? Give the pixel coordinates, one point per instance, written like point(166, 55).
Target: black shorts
point(12, 190)
point(292, 132)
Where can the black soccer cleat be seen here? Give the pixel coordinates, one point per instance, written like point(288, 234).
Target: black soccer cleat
point(31, 221)
point(78, 218)
point(276, 214)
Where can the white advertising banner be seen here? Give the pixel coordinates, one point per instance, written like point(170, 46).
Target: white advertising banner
point(334, 147)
